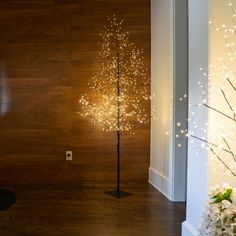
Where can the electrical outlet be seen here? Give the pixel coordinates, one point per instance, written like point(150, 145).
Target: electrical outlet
point(69, 155)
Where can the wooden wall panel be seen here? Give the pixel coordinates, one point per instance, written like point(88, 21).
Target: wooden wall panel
point(48, 51)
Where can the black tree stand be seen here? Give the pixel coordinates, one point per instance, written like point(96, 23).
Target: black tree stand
point(7, 199)
point(118, 193)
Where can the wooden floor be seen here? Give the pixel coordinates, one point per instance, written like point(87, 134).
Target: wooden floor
point(84, 210)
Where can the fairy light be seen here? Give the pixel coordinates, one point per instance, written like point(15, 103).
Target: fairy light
point(228, 32)
point(219, 134)
point(121, 67)
point(221, 104)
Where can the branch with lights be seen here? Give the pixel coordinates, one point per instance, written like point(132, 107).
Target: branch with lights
point(219, 134)
point(213, 147)
point(219, 99)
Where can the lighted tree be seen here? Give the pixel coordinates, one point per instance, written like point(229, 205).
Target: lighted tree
point(120, 88)
point(223, 144)
point(220, 100)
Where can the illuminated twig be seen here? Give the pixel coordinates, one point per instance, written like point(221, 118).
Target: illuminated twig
point(220, 112)
point(231, 152)
point(234, 115)
point(231, 84)
point(99, 121)
point(213, 145)
point(210, 143)
point(220, 159)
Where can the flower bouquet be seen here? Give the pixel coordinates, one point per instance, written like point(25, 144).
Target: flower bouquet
point(220, 213)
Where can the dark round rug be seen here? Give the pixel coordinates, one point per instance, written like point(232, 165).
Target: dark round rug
point(7, 198)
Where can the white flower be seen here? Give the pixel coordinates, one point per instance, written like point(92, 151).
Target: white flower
point(219, 218)
point(216, 208)
point(230, 229)
point(226, 204)
point(229, 213)
point(233, 197)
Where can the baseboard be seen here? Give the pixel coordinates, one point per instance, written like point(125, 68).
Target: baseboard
point(188, 229)
point(160, 182)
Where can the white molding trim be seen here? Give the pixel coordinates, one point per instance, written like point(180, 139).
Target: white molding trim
point(189, 230)
point(160, 182)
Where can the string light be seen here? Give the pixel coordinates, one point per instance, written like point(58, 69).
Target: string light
point(218, 90)
point(228, 33)
point(120, 68)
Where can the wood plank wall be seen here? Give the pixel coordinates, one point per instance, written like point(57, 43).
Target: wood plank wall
point(48, 52)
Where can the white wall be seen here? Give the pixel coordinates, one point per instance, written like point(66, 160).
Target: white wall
point(197, 178)
point(160, 172)
point(169, 82)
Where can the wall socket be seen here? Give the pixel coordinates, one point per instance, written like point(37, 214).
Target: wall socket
point(69, 155)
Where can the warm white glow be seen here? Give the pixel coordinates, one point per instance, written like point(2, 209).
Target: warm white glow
point(218, 96)
point(119, 61)
point(228, 31)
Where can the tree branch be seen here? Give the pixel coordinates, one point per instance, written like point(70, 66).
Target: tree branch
point(227, 101)
point(220, 159)
point(231, 84)
point(100, 121)
point(220, 112)
point(213, 144)
point(233, 155)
